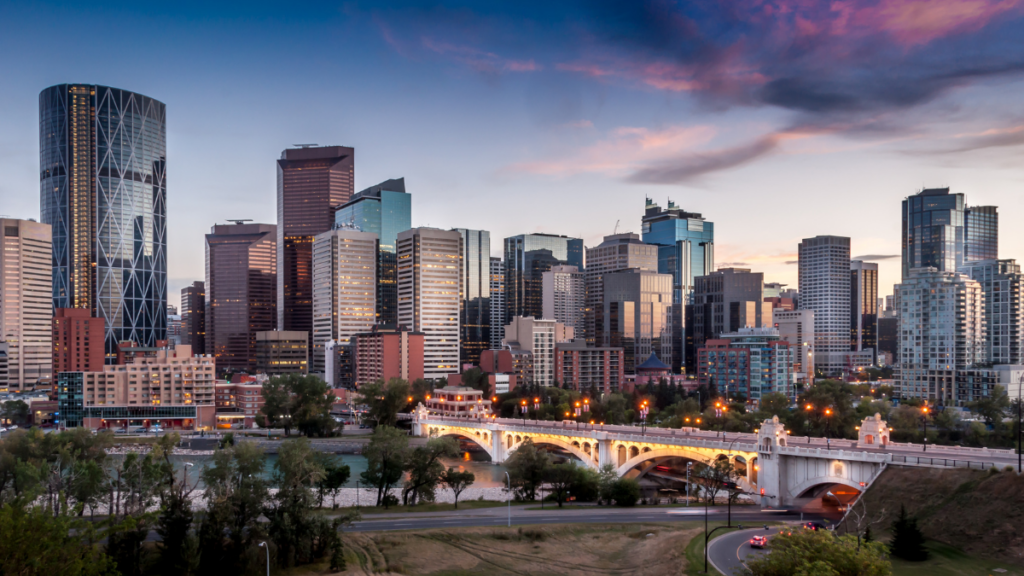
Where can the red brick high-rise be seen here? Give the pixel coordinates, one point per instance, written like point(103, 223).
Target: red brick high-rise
point(77, 341)
point(312, 183)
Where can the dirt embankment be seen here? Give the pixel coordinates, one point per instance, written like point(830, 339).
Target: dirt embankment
point(978, 512)
point(577, 550)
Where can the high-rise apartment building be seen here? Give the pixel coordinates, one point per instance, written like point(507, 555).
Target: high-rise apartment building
point(797, 328)
point(824, 271)
point(385, 210)
point(312, 183)
point(564, 296)
point(77, 341)
point(26, 304)
point(864, 307)
point(497, 304)
point(538, 337)
point(637, 306)
point(585, 368)
point(724, 301)
point(941, 334)
point(686, 250)
point(282, 352)
point(475, 297)
point(616, 253)
point(747, 364)
point(103, 176)
point(241, 291)
point(193, 316)
point(429, 284)
point(527, 257)
point(385, 353)
point(981, 233)
point(1003, 286)
point(344, 293)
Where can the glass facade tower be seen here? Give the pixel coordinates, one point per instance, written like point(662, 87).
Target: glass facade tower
point(527, 258)
point(982, 233)
point(475, 306)
point(103, 189)
point(933, 230)
point(686, 250)
point(384, 210)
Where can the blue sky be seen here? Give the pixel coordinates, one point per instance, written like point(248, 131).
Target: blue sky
point(777, 120)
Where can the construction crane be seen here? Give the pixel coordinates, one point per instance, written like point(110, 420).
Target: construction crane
point(616, 231)
point(240, 221)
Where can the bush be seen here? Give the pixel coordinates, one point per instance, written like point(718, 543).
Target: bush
point(625, 492)
point(820, 553)
point(907, 540)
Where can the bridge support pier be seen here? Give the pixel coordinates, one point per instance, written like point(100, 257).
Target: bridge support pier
point(605, 454)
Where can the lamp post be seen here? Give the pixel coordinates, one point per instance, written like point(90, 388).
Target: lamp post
point(644, 409)
point(264, 545)
point(924, 422)
point(828, 428)
point(509, 498)
point(689, 466)
point(522, 410)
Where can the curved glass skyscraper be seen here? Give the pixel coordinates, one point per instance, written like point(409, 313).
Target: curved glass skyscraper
point(103, 189)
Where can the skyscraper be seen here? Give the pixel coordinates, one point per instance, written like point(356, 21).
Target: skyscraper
point(241, 291)
point(864, 307)
point(724, 301)
point(981, 233)
point(1003, 286)
point(312, 183)
point(497, 302)
point(385, 210)
point(933, 230)
point(564, 296)
point(103, 160)
point(527, 257)
point(475, 298)
point(824, 263)
point(686, 250)
point(193, 316)
point(617, 252)
point(637, 304)
point(344, 294)
point(429, 284)
point(26, 303)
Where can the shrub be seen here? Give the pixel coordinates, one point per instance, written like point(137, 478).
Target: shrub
point(625, 492)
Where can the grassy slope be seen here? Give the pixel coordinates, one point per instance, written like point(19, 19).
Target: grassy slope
point(977, 512)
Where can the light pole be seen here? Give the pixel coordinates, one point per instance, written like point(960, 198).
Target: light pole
point(509, 498)
point(924, 422)
point(689, 466)
point(828, 428)
point(644, 409)
point(264, 545)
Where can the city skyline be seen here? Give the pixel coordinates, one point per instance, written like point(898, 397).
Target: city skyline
point(587, 117)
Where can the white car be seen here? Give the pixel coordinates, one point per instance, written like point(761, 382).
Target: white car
point(13, 427)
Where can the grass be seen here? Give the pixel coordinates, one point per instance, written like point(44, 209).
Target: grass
point(695, 550)
point(948, 561)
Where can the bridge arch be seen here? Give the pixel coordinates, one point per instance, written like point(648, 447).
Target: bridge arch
point(478, 437)
point(696, 454)
point(571, 447)
point(802, 488)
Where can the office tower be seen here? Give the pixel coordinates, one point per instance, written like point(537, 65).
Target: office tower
point(26, 304)
point(747, 364)
point(1003, 286)
point(888, 340)
point(933, 230)
point(173, 329)
point(527, 257)
point(981, 233)
point(497, 302)
point(177, 392)
point(103, 160)
point(312, 183)
point(773, 289)
point(77, 341)
point(385, 353)
point(344, 293)
point(4, 366)
point(564, 296)
point(617, 252)
point(864, 307)
point(637, 306)
point(193, 316)
point(241, 297)
point(941, 332)
point(538, 337)
point(686, 250)
point(797, 328)
point(724, 301)
point(475, 297)
point(824, 271)
point(385, 210)
point(429, 284)
point(282, 352)
point(585, 368)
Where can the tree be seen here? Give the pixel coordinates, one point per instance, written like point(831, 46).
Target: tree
point(385, 461)
point(36, 542)
point(236, 492)
point(335, 477)
point(907, 540)
point(606, 479)
point(16, 411)
point(625, 492)
point(561, 478)
point(300, 535)
point(297, 400)
point(713, 477)
point(276, 409)
point(385, 400)
point(425, 469)
point(457, 482)
point(820, 553)
point(527, 468)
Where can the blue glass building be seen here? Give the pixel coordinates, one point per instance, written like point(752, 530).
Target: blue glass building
point(527, 258)
point(686, 250)
point(933, 230)
point(385, 210)
point(103, 189)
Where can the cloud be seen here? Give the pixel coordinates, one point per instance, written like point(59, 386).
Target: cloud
point(731, 264)
point(994, 138)
point(479, 60)
point(872, 257)
point(690, 166)
point(791, 262)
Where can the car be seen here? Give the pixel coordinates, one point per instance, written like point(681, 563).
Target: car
point(758, 542)
point(814, 526)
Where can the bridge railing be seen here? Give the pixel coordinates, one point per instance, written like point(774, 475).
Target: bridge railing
point(944, 462)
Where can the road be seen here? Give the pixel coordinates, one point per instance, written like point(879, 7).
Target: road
point(588, 515)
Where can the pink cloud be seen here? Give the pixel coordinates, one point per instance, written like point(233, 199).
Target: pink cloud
point(914, 22)
point(479, 60)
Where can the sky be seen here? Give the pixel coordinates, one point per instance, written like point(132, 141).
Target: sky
point(776, 120)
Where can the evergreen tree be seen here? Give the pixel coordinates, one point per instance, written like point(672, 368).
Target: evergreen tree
point(907, 540)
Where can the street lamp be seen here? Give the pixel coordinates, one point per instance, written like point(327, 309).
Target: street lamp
point(828, 428)
point(523, 411)
point(264, 545)
point(924, 422)
point(689, 466)
point(644, 409)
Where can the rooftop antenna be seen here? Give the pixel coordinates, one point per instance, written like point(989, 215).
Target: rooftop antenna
point(240, 221)
point(305, 145)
